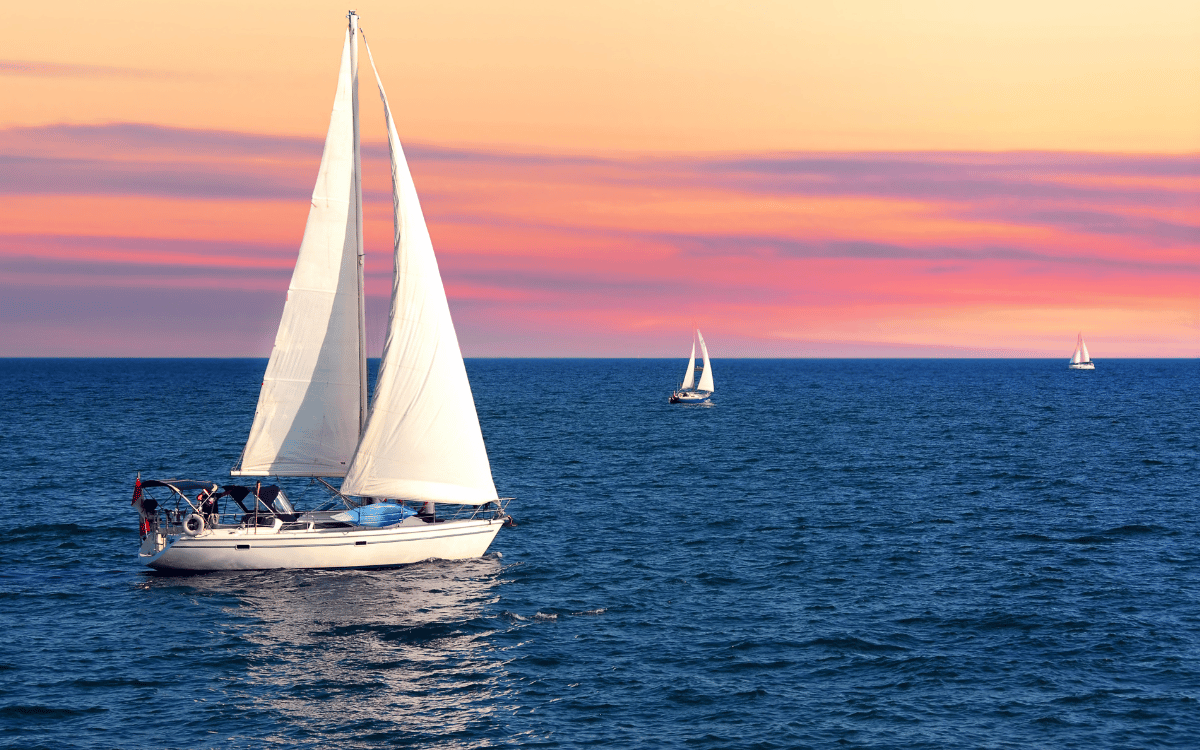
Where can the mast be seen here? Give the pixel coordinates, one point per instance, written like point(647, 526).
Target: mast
point(358, 224)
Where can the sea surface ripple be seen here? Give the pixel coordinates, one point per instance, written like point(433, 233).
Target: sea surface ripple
point(861, 553)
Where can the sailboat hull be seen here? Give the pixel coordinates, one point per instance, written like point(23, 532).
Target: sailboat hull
point(264, 548)
point(1081, 366)
point(689, 397)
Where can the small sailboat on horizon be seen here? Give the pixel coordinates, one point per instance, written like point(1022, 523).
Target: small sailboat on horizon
point(1080, 359)
point(413, 452)
point(689, 391)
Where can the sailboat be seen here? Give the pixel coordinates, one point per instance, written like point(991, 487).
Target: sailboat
point(416, 482)
point(1080, 359)
point(689, 392)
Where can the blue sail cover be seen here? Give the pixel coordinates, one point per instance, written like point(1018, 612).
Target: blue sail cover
point(377, 515)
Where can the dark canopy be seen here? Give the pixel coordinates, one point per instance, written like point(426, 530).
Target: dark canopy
point(239, 493)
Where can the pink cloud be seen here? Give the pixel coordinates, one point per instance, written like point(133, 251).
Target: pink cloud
point(785, 253)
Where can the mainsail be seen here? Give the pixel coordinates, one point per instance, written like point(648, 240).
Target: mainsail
point(309, 413)
point(706, 378)
point(689, 378)
point(422, 439)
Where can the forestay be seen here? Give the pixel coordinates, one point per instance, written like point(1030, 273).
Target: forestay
point(422, 440)
point(308, 417)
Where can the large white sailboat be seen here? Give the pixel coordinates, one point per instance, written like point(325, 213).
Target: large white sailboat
point(1080, 359)
point(689, 391)
point(416, 481)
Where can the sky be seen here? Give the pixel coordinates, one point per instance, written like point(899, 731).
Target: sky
point(797, 179)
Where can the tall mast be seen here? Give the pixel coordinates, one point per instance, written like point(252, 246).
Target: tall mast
point(358, 228)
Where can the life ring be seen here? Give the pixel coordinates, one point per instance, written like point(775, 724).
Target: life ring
point(193, 525)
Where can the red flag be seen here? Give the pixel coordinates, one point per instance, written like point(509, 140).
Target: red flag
point(137, 490)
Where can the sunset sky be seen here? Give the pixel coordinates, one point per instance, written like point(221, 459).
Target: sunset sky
point(797, 179)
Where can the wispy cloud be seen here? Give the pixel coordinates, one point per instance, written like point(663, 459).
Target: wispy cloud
point(25, 175)
point(40, 69)
point(822, 246)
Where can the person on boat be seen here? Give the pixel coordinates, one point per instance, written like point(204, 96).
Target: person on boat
point(209, 507)
point(149, 506)
point(427, 512)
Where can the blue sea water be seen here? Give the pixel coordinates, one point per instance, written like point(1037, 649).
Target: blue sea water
point(859, 553)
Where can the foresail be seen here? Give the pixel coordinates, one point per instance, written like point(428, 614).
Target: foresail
point(1083, 351)
point(307, 419)
point(689, 377)
point(422, 439)
point(706, 378)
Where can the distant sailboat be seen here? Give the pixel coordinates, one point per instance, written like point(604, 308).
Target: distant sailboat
point(1080, 359)
point(688, 392)
point(413, 452)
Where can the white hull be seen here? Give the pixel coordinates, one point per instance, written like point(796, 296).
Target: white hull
point(1081, 366)
point(689, 397)
point(249, 548)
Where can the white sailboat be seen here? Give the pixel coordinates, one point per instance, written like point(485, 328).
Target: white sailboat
point(689, 392)
point(414, 453)
point(1080, 359)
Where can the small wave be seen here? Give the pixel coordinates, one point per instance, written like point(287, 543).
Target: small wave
point(1092, 539)
point(1053, 721)
point(57, 530)
point(47, 712)
point(850, 643)
point(690, 697)
point(599, 611)
point(1108, 536)
point(115, 682)
point(545, 616)
point(1134, 528)
point(755, 693)
point(1094, 696)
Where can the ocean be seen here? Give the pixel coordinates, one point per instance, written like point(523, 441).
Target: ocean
point(857, 553)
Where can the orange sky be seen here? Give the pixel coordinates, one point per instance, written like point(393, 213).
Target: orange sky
point(866, 179)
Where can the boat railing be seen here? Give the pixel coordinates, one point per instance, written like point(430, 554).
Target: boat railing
point(173, 521)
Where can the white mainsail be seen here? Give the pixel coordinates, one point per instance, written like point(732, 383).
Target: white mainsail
point(706, 378)
point(689, 378)
point(309, 413)
point(422, 440)
point(1083, 350)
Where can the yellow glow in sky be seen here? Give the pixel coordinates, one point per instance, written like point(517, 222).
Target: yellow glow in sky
point(650, 75)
